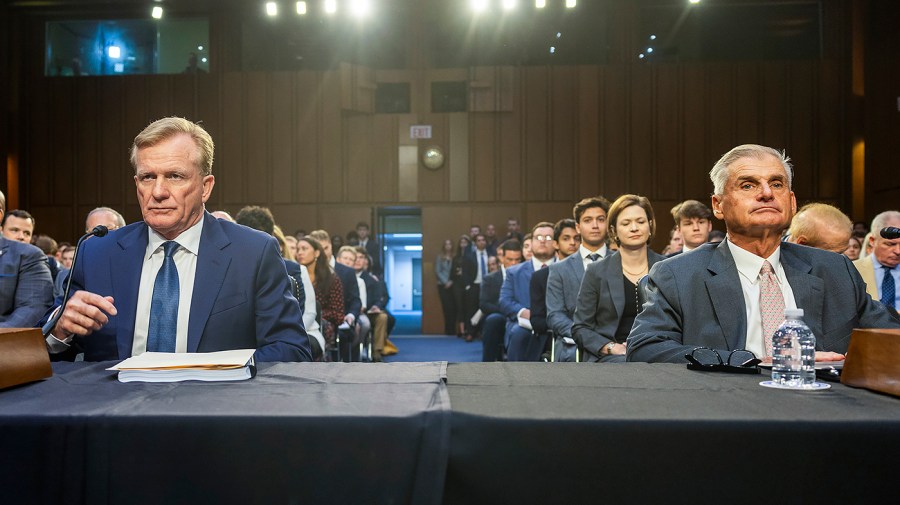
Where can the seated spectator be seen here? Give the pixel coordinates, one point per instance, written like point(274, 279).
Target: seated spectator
point(376, 307)
point(733, 295)
point(566, 241)
point(352, 305)
point(610, 296)
point(821, 226)
point(328, 290)
point(564, 280)
point(879, 268)
point(104, 216)
point(854, 247)
point(17, 225)
point(347, 256)
point(694, 220)
point(515, 298)
point(27, 291)
point(494, 326)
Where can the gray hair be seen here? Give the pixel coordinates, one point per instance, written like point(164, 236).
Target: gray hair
point(120, 221)
point(882, 220)
point(720, 171)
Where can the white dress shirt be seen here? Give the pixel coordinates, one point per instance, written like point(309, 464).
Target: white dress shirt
point(584, 252)
point(748, 266)
point(186, 262)
point(879, 278)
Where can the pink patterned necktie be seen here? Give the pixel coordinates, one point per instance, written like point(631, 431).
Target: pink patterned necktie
point(771, 304)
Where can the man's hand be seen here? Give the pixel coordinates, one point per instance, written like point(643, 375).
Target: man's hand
point(525, 314)
point(85, 313)
point(349, 319)
point(828, 356)
point(374, 309)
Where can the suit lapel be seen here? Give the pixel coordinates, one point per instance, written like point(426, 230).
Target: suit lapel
point(125, 274)
point(212, 264)
point(617, 284)
point(807, 288)
point(724, 289)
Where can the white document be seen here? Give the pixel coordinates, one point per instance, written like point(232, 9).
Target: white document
point(476, 318)
point(180, 366)
point(344, 326)
point(525, 323)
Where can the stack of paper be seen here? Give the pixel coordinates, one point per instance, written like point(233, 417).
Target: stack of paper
point(174, 366)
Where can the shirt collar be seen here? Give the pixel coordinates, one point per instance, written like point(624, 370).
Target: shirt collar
point(536, 263)
point(584, 251)
point(749, 264)
point(188, 239)
point(685, 248)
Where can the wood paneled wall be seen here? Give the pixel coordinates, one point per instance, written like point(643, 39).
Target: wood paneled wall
point(534, 140)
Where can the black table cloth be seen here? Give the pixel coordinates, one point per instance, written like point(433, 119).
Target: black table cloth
point(659, 433)
point(297, 433)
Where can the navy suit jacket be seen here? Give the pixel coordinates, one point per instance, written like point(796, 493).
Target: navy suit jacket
point(696, 300)
point(241, 299)
point(539, 301)
point(26, 288)
point(352, 302)
point(376, 291)
point(489, 302)
point(515, 293)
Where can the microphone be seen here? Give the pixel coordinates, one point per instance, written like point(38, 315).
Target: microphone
point(98, 231)
point(890, 233)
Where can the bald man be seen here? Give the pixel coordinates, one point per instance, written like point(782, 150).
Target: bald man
point(821, 226)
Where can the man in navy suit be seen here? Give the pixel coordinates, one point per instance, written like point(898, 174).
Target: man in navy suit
point(180, 280)
point(494, 326)
point(26, 288)
point(515, 298)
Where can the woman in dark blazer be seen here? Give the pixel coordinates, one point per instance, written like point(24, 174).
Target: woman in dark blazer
point(460, 274)
point(609, 298)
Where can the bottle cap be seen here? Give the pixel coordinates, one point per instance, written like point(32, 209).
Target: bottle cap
point(793, 312)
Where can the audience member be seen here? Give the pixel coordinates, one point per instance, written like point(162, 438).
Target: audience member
point(443, 266)
point(27, 292)
point(610, 295)
point(494, 327)
point(347, 256)
point(155, 266)
point(854, 246)
point(676, 243)
point(375, 306)
point(350, 289)
point(515, 297)
point(879, 268)
point(563, 232)
point(695, 299)
point(105, 216)
point(493, 264)
point(512, 230)
point(526, 247)
point(17, 225)
point(48, 246)
point(694, 221)
point(490, 235)
point(373, 248)
point(328, 290)
point(821, 226)
point(474, 268)
point(461, 276)
point(261, 219)
point(860, 229)
point(565, 277)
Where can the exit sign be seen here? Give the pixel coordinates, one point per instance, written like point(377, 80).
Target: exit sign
point(420, 131)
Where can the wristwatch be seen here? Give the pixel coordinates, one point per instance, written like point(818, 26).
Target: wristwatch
point(609, 347)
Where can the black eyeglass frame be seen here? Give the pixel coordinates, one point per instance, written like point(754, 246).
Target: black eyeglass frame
point(747, 367)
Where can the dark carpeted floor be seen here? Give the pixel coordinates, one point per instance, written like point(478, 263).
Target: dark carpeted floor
point(434, 348)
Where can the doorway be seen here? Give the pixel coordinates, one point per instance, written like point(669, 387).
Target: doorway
point(400, 233)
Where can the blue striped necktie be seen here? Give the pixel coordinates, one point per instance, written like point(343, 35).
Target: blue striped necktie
point(164, 304)
point(888, 290)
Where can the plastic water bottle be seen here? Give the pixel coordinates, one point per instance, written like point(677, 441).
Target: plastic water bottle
point(794, 352)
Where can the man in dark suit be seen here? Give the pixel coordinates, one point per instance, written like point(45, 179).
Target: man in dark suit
point(694, 221)
point(728, 296)
point(180, 280)
point(515, 298)
point(564, 279)
point(26, 289)
point(494, 325)
point(566, 242)
point(261, 218)
point(373, 248)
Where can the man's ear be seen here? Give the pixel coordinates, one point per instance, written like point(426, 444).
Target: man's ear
point(717, 208)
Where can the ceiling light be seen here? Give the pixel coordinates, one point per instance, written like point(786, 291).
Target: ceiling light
point(510, 4)
point(360, 8)
point(301, 8)
point(272, 8)
point(540, 4)
point(114, 51)
point(330, 6)
point(478, 5)
point(156, 12)
point(570, 4)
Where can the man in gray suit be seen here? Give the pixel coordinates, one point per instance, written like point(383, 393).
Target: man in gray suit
point(565, 276)
point(26, 288)
point(728, 296)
